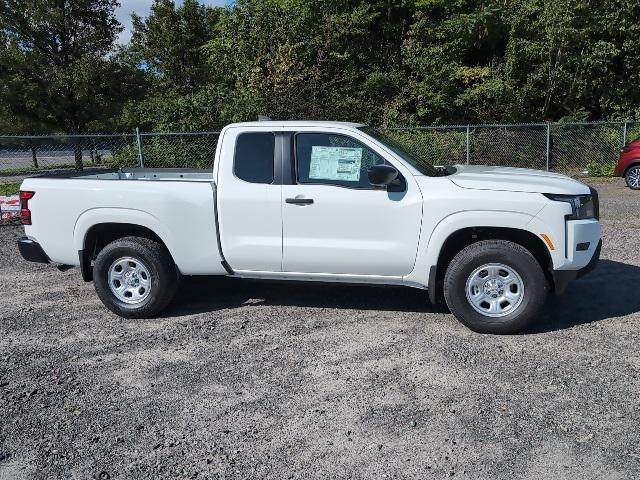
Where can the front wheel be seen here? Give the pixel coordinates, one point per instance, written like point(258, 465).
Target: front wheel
point(495, 286)
point(135, 277)
point(632, 177)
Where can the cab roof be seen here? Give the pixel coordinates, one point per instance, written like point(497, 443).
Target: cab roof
point(297, 123)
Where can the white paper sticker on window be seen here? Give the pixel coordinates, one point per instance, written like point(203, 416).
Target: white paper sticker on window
point(335, 163)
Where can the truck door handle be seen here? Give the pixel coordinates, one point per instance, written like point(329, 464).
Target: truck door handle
point(299, 201)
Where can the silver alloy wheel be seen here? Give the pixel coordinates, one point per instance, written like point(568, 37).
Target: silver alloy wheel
point(129, 280)
point(633, 177)
point(494, 290)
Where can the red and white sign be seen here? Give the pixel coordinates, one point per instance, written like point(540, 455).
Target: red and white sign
point(9, 207)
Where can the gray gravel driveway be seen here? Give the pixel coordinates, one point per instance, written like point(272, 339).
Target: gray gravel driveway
point(261, 380)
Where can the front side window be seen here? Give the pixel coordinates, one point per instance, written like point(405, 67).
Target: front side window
point(323, 158)
point(414, 158)
point(253, 161)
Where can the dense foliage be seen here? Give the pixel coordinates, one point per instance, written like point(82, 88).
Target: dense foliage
point(384, 62)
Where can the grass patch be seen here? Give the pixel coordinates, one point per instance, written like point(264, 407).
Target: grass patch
point(598, 179)
point(7, 189)
point(600, 170)
point(27, 170)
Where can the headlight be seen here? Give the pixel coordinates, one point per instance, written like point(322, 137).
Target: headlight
point(582, 206)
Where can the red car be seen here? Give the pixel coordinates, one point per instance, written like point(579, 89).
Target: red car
point(629, 164)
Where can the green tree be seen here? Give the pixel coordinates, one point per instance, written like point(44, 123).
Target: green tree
point(383, 62)
point(573, 59)
point(167, 48)
point(453, 53)
point(58, 66)
point(315, 58)
point(168, 44)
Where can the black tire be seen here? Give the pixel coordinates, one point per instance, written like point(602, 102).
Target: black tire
point(161, 270)
point(510, 254)
point(630, 177)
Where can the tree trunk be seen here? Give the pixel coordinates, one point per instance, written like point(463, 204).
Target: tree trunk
point(77, 151)
point(34, 155)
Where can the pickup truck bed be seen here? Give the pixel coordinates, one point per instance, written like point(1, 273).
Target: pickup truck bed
point(177, 205)
point(184, 174)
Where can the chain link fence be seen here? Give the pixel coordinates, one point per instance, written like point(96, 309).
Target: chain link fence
point(576, 149)
point(24, 155)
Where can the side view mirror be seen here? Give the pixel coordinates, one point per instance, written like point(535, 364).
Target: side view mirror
point(386, 176)
point(382, 175)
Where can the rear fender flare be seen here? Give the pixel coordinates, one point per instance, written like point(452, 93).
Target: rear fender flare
point(96, 216)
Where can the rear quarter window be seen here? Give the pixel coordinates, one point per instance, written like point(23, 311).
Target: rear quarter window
point(253, 159)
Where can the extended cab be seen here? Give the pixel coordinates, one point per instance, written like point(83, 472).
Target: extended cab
point(320, 201)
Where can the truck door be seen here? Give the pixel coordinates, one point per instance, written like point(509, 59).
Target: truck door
point(249, 200)
point(336, 222)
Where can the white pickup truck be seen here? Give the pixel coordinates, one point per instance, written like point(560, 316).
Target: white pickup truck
point(320, 201)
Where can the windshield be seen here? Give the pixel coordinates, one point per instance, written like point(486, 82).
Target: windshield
point(419, 162)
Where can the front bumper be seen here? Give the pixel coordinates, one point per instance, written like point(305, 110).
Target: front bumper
point(31, 250)
point(583, 239)
point(562, 278)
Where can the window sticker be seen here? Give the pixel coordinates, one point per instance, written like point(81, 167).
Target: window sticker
point(335, 163)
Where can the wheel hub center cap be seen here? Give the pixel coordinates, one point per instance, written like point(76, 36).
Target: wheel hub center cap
point(493, 288)
point(131, 279)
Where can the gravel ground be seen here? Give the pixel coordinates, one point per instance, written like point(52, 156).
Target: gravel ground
point(252, 380)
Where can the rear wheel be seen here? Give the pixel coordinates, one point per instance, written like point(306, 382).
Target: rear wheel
point(633, 177)
point(135, 277)
point(495, 286)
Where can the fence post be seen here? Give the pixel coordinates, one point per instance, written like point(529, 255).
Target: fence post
point(624, 134)
point(140, 152)
point(96, 157)
point(548, 143)
point(468, 143)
